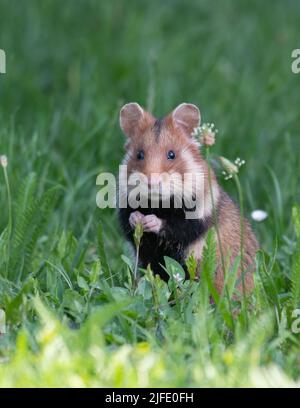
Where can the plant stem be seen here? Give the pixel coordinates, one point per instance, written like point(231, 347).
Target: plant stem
point(215, 218)
point(241, 203)
point(136, 266)
point(137, 236)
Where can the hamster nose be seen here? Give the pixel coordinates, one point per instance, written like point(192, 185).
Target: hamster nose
point(154, 180)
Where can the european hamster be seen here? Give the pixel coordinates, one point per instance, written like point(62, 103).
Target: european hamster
point(156, 149)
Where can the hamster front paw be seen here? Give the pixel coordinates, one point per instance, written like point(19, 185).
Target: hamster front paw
point(151, 223)
point(134, 218)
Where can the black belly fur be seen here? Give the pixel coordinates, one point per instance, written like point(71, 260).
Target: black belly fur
point(173, 241)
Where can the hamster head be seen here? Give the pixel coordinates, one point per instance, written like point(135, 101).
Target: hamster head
point(162, 156)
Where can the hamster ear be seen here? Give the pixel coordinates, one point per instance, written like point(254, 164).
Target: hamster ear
point(187, 116)
point(131, 117)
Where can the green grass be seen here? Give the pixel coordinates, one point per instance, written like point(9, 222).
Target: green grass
point(73, 318)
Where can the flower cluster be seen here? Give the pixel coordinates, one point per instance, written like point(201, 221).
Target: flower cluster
point(3, 161)
point(177, 277)
point(205, 134)
point(230, 169)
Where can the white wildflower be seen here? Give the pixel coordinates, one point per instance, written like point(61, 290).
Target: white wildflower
point(231, 168)
point(206, 134)
point(177, 277)
point(3, 161)
point(259, 215)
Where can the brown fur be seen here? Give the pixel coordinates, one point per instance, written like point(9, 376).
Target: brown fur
point(230, 237)
point(156, 137)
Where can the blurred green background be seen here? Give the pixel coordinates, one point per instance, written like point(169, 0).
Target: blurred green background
point(71, 66)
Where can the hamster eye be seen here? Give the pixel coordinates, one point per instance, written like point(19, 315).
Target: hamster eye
point(140, 155)
point(171, 155)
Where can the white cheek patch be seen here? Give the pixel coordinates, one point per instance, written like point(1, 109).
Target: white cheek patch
point(192, 165)
point(197, 189)
point(211, 199)
point(194, 183)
